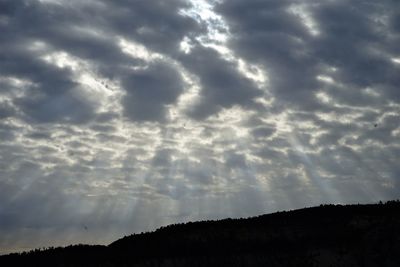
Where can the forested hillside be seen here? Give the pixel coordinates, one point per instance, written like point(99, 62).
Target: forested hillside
point(328, 235)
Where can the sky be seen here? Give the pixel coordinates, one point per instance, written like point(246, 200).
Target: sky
point(118, 117)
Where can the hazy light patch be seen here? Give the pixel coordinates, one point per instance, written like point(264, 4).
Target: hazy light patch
point(327, 94)
point(189, 97)
point(139, 134)
point(325, 79)
point(223, 50)
point(16, 81)
point(307, 125)
point(394, 105)
point(332, 69)
point(323, 97)
point(233, 118)
point(396, 132)
point(61, 60)
point(325, 116)
point(67, 2)
point(305, 17)
point(186, 45)
point(309, 174)
point(4, 20)
point(145, 30)
point(316, 136)
point(18, 88)
point(396, 60)
point(137, 50)
point(297, 146)
point(389, 114)
point(350, 118)
point(38, 46)
point(371, 92)
point(267, 102)
point(54, 2)
point(90, 31)
point(253, 72)
point(281, 122)
point(185, 138)
point(303, 174)
point(149, 135)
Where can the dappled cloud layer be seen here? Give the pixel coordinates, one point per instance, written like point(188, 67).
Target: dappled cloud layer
point(122, 116)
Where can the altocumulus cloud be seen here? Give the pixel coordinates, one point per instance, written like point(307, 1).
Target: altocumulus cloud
point(121, 116)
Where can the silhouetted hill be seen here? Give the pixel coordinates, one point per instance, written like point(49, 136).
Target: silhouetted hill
point(328, 235)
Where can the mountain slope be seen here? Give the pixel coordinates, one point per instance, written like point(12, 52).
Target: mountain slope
point(330, 235)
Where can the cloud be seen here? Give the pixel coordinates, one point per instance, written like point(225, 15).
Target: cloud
point(148, 92)
point(6, 110)
point(127, 115)
point(54, 40)
point(222, 86)
point(353, 45)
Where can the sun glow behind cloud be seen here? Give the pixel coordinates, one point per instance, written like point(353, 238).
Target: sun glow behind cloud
point(301, 10)
point(217, 36)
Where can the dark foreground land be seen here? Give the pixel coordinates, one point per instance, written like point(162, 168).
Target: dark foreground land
point(329, 235)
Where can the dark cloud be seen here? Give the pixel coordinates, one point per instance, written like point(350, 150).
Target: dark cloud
point(163, 158)
point(222, 86)
point(234, 160)
point(263, 132)
point(282, 48)
point(148, 91)
point(51, 96)
point(156, 24)
point(106, 117)
point(103, 128)
point(40, 135)
point(6, 110)
point(69, 107)
point(351, 39)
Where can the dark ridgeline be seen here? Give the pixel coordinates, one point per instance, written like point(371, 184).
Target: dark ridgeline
point(328, 235)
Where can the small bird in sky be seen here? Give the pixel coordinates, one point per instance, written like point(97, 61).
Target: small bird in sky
point(375, 125)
